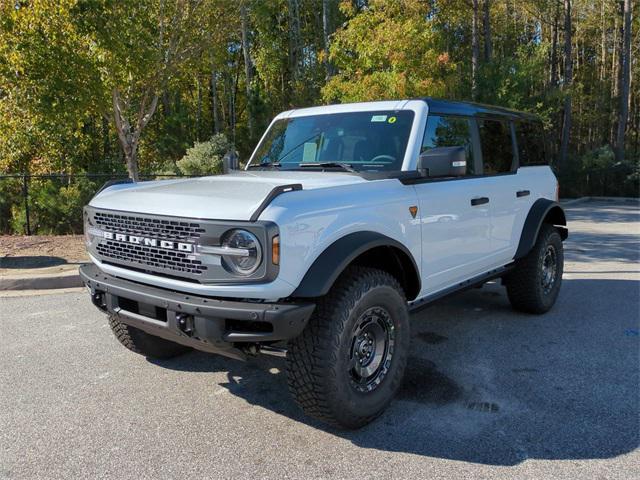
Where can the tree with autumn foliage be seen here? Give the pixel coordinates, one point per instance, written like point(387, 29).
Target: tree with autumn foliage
point(90, 86)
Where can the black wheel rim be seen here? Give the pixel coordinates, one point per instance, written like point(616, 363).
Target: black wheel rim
point(372, 347)
point(549, 269)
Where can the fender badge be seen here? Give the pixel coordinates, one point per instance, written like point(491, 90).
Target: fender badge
point(413, 210)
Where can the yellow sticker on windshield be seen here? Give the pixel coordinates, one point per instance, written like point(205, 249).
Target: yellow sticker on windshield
point(392, 120)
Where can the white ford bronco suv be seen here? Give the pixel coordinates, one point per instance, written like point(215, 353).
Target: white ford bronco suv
point(346, 218)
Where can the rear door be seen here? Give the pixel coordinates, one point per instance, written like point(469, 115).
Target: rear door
point(509, 196)
point(454, 212)
point(532, 175)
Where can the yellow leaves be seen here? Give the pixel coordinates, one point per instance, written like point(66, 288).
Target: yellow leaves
point(388, 51)
point(347, 8)
point(380, 86)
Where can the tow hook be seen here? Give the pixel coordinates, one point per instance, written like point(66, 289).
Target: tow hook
point(97, 298)
point(185, 323)
point(253, 349)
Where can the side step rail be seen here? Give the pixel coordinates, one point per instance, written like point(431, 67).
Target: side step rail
point(472, 282)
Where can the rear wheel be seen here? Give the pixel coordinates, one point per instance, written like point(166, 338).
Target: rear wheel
point(534, 284)
point(348, 363)
point(141, 342)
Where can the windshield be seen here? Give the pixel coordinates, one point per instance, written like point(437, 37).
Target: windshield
point(362, 141)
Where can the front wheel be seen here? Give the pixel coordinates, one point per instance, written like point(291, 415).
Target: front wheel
point(348, 363)
point(534, 284)
point(142, 343)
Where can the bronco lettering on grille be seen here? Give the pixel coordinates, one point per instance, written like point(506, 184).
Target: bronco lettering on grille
point(150, 242)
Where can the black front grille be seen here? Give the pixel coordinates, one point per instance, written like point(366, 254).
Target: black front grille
point(160, 228)
point(168, 246)
point(150, 256)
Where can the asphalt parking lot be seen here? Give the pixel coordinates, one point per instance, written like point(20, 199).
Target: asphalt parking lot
point(489, 393)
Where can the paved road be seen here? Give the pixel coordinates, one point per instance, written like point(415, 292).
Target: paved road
point(489, 393)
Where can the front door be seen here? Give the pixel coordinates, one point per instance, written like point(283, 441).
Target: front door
point(454, 213)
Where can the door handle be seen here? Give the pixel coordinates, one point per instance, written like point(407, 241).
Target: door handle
point(479, 201)
point(522, 193)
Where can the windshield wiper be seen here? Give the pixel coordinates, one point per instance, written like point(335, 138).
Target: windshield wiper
point(344, 166)
point(264, 165)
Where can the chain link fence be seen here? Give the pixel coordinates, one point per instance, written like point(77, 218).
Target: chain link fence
point(51, 203)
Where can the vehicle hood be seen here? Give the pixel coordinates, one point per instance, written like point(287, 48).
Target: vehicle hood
point(234, 196)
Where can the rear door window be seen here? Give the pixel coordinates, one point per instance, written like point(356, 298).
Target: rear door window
point(530, 137)
point(442, 131)
point(497, 146)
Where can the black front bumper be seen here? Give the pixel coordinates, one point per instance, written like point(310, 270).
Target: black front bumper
point(204, 323)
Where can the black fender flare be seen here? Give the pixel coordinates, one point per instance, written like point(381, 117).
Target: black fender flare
point(542, 211)
point(336, 257)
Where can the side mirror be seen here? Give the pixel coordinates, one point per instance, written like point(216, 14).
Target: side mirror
point(230, 161)
point(443, 162)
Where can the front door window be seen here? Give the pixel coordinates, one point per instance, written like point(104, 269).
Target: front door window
point(444, 131)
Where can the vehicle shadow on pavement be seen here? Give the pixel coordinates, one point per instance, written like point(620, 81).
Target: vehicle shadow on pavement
point(488, 385)
point(28, 262)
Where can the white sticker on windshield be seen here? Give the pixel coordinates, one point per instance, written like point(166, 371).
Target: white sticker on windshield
point(379, 118)
point(309, 152)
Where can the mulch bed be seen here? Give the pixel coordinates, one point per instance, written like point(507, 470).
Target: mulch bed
point(40, 251)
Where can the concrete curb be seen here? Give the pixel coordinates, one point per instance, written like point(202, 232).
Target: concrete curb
point(68, 279)
point(573, 201)
point(613, 199)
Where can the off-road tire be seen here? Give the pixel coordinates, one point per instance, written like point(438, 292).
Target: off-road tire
point(141, 342)
point(525, 284)
point(318, 371)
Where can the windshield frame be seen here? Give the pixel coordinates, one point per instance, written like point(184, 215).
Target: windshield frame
point(408, 163)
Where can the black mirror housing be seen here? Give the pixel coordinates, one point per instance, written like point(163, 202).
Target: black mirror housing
point(443, 162)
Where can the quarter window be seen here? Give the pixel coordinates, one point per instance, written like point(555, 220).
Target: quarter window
point(497, 146)
point(444, 131)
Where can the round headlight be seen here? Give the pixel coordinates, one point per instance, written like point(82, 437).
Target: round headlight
point(245, 253)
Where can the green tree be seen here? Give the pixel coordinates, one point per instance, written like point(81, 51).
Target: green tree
point(49, 87)
point(140, 45)
point(96, 85)
point(205, 158)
